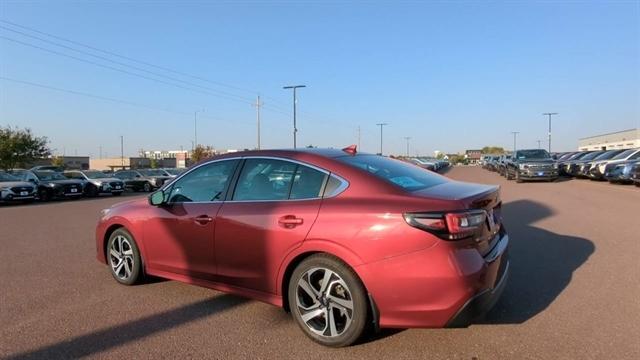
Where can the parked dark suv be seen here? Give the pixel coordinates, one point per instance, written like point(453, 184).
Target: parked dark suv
point(532, 164)
point(97, 182)
point(143, 179)
point(13, 189)
point(51, 184)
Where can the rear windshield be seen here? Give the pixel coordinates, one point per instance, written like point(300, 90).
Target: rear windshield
point(532, 154)
point(406, 176)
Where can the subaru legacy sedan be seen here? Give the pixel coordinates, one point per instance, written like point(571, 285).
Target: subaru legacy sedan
point(344, 241)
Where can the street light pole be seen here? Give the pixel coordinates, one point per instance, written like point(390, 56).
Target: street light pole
point(549, 115)
point(381, 125)
point(407, 138)
point(295, 128)
point(515, 133)
point(122, 151)
point(538, 143)
point(195, 126)
point(258, 105)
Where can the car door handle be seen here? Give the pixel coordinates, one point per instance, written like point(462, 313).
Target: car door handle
point(290, 221)
point(203, 219)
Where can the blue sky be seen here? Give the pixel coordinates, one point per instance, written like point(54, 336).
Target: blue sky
point(451, 75)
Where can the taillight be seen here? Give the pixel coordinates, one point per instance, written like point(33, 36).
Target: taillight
point(448, 226)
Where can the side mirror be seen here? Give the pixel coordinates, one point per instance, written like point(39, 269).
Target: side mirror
point(157, 198)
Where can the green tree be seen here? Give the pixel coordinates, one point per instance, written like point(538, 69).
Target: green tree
point(493, 150)
point(20, 146)
point(440, 156)
point(153, 163)
point(57, 161)
point(201, 152)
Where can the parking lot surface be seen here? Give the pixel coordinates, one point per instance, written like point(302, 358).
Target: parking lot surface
point(574, 290)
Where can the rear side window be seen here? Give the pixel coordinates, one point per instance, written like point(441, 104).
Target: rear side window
point(265, 179)
point(399, 173)
point(307, 183)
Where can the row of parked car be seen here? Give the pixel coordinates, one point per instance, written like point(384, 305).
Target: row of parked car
point(616, 166)
point(44, 183)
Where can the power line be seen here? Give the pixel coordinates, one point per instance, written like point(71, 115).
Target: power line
point(121, 70)
point(124, 64)
point(112, 53)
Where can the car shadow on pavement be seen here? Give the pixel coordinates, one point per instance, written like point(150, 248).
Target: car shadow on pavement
point(114, 336)
point(542, 263)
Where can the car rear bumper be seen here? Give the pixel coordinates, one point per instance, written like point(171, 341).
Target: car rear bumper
point(445, 285)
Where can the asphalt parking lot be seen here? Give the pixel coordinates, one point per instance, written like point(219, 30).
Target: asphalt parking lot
point(574, 291)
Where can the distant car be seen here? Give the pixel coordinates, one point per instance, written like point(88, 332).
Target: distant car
point(51, 185)
point(584, 168)
point(564, 163)
point(97, 182)
point(47, 167)
point(621, 173)
point(143, 179)
point(157, 177)
point(573, 167)
point(635, 174)
point(501, 164)
point(423, 164)
point(532, 164)
point(599, 168)
point(12, 189)
point(172, 172)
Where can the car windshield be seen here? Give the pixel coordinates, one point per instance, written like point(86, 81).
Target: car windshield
point(7, 177)
point(592, 155)
point(49, 175)
point(151, 172)
point(532, 154)
point(607, 155)
point(624, 154)
point(566, 156)
point(95, 175)
point(578, 155)
point(408, 177)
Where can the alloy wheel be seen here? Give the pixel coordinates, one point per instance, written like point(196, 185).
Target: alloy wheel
point(324, 302)
point(121, 257)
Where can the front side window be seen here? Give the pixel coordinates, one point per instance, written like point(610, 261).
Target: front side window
point(265, 179)
point(205, 183)
point(399, 173)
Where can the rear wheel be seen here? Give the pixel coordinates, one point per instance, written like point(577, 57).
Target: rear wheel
point(124, 258)
point(146, 187)
point(44, 195)
point(328, 301)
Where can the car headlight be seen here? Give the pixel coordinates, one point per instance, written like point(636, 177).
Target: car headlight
point(523, 166)
point(601, 167)
point(555, 165)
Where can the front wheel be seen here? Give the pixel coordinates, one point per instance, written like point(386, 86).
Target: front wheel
point(147, 187)
point(328, 301)
point(123, 257)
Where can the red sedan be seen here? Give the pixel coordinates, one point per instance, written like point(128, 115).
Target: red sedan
point(342, 240)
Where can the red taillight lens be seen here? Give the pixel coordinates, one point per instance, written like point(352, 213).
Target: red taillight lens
point(450, 226)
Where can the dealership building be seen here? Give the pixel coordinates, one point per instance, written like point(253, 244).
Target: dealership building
point(617, 140)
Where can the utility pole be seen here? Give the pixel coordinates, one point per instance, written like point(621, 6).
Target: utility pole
point(381, 125)
point(295, 128)
point(515, 133)
point(359, 134)
point(122, 151)
point(100, 151)
point(549, 114)
point(538, 143)
point(258, 104)
point(407, 138)
point(195, 127)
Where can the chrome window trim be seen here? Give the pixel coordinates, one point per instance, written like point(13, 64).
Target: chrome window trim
point(344, 184)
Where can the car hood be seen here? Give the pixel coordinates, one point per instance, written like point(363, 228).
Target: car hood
point(106, 180)
point(62, 182)
point(16, 184)
point(534, 161)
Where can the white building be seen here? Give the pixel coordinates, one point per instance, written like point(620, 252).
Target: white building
point(626, 139)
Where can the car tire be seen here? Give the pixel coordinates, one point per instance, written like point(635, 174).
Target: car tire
point(147, 187)
point(44, 195)
point(92, 191)
point(517, 177)
point(340, 309)
point(116, 193)
point(123, 257)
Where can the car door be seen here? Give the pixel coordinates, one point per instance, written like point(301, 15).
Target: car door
point(179, 234)
point(271, 210)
